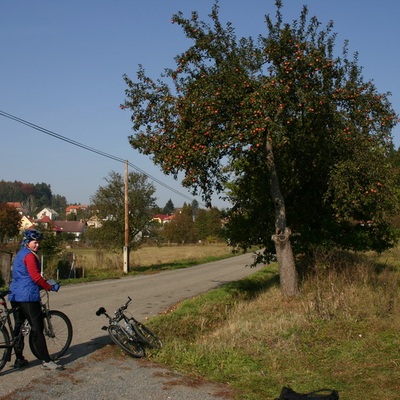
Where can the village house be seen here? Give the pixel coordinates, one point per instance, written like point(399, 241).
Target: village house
point(47, 223)
point(162, 218)
point(18, 206)
point(94, 222)
point(26, 223)
point(76, 228)
point(47, 212)
point(74, 209)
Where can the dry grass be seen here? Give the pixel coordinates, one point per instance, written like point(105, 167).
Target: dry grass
point(341, 332)
point(147, 256)
point(349, 287)
point(94, 261)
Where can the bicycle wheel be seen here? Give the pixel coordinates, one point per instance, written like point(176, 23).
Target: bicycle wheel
point(147, 337)
point(58, 333)
point(125, 342)
point(5, 352)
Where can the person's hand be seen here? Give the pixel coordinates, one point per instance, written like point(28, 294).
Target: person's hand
point(55, 287)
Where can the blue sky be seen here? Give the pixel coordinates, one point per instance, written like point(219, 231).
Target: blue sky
point(62, 64)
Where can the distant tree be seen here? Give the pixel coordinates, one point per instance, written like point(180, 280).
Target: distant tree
point(59, 203)
point(157, 210)
point(15, 191)
point(181, 228)
point(109, 204)
point(33, 196)
point(80, 214)
point(195, 207)
point(43, 195)
point(9, 222)
point(71, 217)
point(293, 131)
point(208, 224)
point(169, 208)
point(52, 242)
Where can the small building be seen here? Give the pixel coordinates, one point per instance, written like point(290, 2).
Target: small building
point(74, 209)
point(76, 228)
point(48, 224)
point(47, 212)
point(94, 222)
point(26, 223)
point(18, 206)
point(162, 218)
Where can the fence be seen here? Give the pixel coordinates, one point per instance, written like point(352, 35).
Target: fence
point(65, 267)
point(5, 267)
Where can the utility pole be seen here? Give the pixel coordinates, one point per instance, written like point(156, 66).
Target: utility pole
point(126, 247)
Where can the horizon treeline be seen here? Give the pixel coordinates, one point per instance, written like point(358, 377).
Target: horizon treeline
point(34, 196)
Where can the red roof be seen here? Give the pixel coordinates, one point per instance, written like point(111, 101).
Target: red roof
point(164, 217)
point(16, 204)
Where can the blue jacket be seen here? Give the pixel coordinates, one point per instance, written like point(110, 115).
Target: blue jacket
point(22, 287)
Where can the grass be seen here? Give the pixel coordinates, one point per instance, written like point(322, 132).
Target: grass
point(92, 264)
point(342, 332)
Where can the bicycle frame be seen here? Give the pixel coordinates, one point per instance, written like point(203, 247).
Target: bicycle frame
point(48, 327)
point(5, 320)
point(132, 328)
point(123, 334)
point(26, 328)
point(57, 330)
point(119, 314)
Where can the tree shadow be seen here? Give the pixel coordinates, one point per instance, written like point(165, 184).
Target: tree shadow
point(165, 266)
point(253, 285)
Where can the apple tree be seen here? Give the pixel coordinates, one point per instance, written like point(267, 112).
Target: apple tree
point(283, 126)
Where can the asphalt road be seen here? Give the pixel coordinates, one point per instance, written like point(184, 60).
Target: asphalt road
point(93, 370)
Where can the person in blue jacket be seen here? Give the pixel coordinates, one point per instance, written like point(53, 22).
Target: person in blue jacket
point(25, 287)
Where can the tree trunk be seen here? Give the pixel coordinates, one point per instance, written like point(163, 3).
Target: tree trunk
point(287, 267)
point(284, 253)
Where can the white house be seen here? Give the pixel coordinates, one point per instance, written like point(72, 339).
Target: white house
point(47, 212)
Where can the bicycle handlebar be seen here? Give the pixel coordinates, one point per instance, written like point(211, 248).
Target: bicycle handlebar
point(125, 306)
point(119, 311)
point(4, 293)
point(100, 311)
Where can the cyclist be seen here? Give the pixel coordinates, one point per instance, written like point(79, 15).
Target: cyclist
point(25, 299)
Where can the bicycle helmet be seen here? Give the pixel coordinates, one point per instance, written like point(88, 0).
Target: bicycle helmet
point(31, 234)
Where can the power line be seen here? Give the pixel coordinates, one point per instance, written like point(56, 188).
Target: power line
point(92, 149)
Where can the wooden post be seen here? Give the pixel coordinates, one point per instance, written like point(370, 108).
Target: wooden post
point(126, 247)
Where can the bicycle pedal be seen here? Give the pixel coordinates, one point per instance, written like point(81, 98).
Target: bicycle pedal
point(104, 328)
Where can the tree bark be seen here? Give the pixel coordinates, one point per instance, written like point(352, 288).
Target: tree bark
point(284, 254)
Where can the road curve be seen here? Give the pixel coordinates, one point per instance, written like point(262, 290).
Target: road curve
point(92, 372)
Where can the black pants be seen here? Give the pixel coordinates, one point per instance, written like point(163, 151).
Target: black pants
point(31, 311)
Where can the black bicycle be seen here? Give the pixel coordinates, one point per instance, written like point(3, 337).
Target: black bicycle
point(129, 334)
point(57, 330)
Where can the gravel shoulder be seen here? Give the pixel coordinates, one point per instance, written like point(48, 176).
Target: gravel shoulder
point(108, 373)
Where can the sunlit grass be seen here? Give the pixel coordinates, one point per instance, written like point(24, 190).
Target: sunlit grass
point(341, 332)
